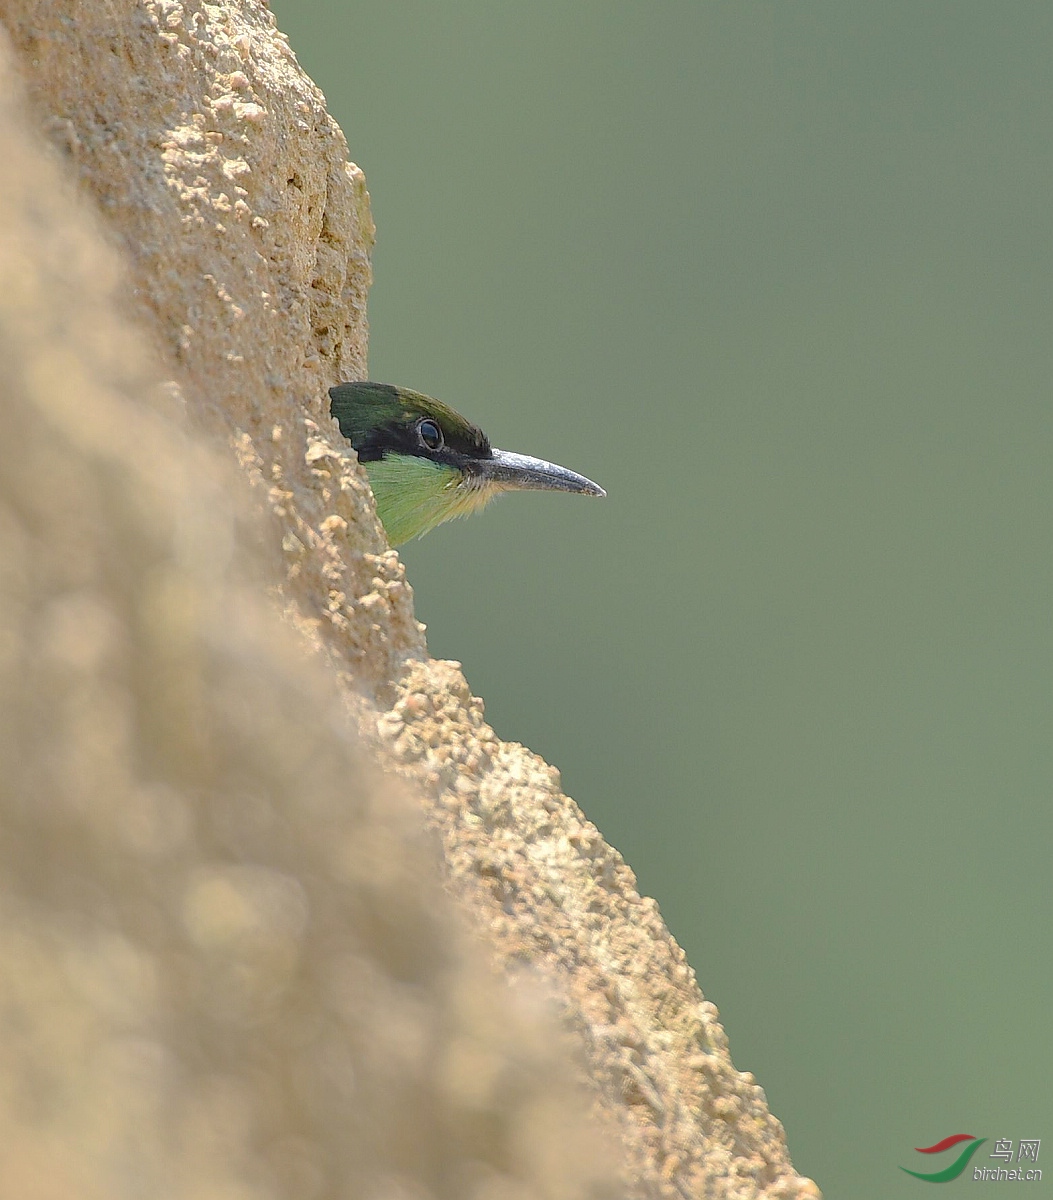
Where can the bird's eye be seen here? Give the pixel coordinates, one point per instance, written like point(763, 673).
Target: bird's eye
point(430, 434)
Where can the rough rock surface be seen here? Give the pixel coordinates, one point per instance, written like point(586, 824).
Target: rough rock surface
point(227, 966)
point(246, 235)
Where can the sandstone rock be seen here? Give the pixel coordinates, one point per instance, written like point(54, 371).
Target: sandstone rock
point(227, 917)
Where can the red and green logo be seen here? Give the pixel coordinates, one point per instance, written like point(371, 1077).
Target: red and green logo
point(956, 1167)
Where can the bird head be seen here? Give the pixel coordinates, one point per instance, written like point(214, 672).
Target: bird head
point(426, 463)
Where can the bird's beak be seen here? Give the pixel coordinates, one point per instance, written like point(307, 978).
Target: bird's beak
point(505, 471)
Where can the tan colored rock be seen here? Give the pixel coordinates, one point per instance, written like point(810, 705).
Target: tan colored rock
point(246, 235)
point(227, 967)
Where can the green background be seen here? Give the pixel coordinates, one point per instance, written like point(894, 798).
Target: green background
point(779, 277)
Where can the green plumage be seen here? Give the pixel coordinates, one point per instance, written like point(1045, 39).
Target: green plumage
point(361, 409)
point(414, 495)
point(426, 463)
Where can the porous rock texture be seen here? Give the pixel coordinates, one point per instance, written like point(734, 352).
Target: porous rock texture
point(227, 966)
point(236, 915)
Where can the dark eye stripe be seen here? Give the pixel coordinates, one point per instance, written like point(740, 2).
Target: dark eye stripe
point(429, 433)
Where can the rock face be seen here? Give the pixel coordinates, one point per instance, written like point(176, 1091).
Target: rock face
point(227, 967)
point(228, 919)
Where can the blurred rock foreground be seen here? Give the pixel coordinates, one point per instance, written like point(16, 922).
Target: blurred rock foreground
point(228, 965)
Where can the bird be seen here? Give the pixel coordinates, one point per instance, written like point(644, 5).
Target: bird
point(427, 464)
